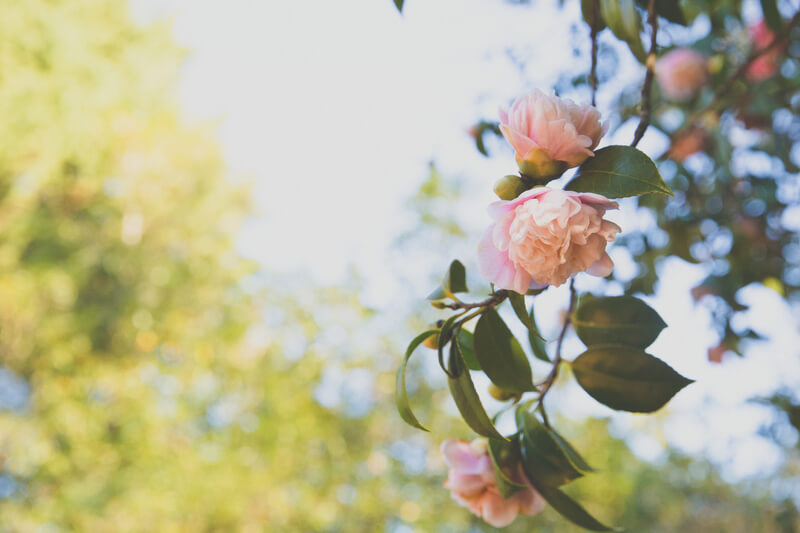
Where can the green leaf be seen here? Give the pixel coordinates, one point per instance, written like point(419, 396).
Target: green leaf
point(587, 10)
point(570, 509)
point(505, 458)
point(399, 5)
point(617, 320)
point(400, 394)
point(500, 355)
point(466, 397)
point(772, 15)
point(542, 455)
point(445, 334)
point(624, 21)
point(538, 344)
point(466, 343)
point(669, 9)
point(571, 453)
point(618, 171)
point(454, 281)
point(626, 378)
point(518, 304)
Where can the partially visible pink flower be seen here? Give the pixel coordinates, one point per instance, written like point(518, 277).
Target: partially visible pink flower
point(681, 72)
point(545, 236)
point(473, 484)
point(766, 65)
point(547, 129)
point(715, 353)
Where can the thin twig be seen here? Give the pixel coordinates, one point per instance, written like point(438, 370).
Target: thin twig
point(545, 385)
point(593, 71)
point(495, 299)
point(650, 63)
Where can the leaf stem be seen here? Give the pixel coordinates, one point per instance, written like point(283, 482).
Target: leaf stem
point(650, 63)
point(494, 300)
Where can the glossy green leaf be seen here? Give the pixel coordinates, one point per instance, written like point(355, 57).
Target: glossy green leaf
point(624, 21)
point(771, 15)
point(570, 509)
point(626, 378)
point(572, 454)
point(500, 355)
point(399, 5)
point(400, 393)
point(618, 171)
point(454, 281)
point(445, 334)
point(466, 342)
point(536, 341)
point(617, 320)
point(466, 397)
point(518, 304)
point(505, 458)
point(542, 455)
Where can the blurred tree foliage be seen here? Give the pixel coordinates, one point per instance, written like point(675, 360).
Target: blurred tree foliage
point(169, 389)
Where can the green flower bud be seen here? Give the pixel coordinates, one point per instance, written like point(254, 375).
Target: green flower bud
point(539, 167)
point(509, 187)
point(499, 394)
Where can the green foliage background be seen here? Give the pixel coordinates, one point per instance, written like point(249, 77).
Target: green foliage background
point(160, 398)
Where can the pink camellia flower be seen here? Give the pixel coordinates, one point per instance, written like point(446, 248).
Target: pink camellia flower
point(681, 72)
point(550, 134)
point(545, 236)
point(766, 65)
point(473, 484)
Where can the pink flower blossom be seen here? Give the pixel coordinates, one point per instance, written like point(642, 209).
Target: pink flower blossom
point(545, 236)
point(681, 72)
point(473, 484)
point(766, 65)
point(545, 130)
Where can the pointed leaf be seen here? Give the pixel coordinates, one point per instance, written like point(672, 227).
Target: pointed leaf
point(571, 453)
point(517, 301)
point(466, 342)
point(538, 344)
point(401, 395)
point(399, 5)
point(542, 455)
point(453, 282)
point(570, 509)
point(500, 355)
point(505, 458)
point(466, 397)
point(624, 21)
point(587, 10)
point(626, 378)
point(618, 171)
point(617, 320)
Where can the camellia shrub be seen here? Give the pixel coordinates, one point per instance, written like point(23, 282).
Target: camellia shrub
point(544, 236)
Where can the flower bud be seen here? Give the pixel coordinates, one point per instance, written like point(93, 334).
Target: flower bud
point(432, 342)
point(509, 187)
point(499, 394)
point(538, 165)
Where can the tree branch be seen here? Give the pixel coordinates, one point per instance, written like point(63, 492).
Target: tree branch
point(594, 32)
point(644, 112)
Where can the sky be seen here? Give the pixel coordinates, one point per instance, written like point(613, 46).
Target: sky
point(334, 110)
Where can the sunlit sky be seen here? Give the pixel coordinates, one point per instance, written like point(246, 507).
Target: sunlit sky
point(334, 109)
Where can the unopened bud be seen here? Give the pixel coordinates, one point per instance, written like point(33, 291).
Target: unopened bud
point(509, 187)
point(539, 166)
point(499, 394)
